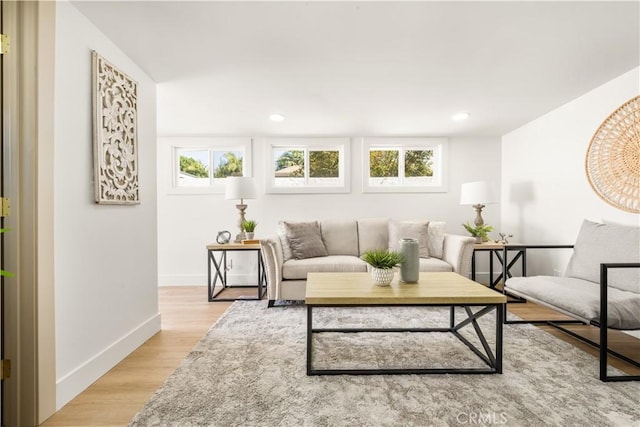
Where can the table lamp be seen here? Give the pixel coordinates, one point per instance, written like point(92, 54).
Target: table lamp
point(240, 188)
point(476, 194)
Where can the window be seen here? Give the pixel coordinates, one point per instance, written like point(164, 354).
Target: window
point(404, 164)
point(200, 165)
point(307, 165)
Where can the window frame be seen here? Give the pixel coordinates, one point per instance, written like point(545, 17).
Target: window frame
point(210, 144)
point(340, 144)
point(404, 144)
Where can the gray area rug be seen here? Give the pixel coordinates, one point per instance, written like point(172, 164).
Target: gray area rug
point(249, 370)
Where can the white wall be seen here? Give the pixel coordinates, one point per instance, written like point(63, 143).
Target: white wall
point(105, 256)
point(187, 223)
point(545, 191)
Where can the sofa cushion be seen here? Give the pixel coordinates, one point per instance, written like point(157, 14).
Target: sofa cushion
point(434, 264)
point(298, 268)
point(373, 233)
point(435, 239)
point(340, 237)
point(409, 229)
point(305, 239)
point(606, 243)
point(580, 297)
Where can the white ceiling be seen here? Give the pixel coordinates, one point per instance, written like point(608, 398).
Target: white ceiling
point(368, 68)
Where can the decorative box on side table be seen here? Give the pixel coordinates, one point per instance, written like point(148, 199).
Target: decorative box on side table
point(217, 276)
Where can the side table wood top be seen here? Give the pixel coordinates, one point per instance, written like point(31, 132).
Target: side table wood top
point(232, 246)
point(492, 245)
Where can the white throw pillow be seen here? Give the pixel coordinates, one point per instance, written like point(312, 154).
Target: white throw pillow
point(409, 229)
point(435, 241)
point(282, 235)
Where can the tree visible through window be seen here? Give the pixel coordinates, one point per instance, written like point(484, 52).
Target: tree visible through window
point(201, 165)
point(200, 168)
point(418, 163)
point(228, 164)
point(313, 165)
point(289, 164)
point(324, 164)
point(383, 163)
point(193, 167)
point(404, 164)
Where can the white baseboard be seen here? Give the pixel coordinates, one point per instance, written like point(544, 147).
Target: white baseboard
point(86, 374)
point(201, 280)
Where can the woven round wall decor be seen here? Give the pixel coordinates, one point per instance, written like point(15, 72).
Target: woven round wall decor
point(613, 158)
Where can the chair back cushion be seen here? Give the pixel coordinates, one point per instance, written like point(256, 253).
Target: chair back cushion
point(606, 243)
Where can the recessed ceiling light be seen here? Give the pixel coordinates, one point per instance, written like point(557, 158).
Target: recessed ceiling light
point(461, 116)
point(276, 117)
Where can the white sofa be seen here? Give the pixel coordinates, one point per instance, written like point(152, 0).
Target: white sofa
point(344, 242)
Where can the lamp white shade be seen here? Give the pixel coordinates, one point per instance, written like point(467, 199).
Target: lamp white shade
point(239, 187)
point(476, 193)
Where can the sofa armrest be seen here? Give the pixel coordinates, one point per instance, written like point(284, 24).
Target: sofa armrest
point(273, 260)
point(457, 251)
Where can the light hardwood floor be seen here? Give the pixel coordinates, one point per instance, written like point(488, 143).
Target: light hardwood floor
point(186, 316)
point(118, 395)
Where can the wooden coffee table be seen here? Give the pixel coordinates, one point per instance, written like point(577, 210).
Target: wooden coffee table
point(432, 289)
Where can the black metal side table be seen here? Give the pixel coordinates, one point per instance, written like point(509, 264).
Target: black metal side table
point(498, 250)
point(217, 276)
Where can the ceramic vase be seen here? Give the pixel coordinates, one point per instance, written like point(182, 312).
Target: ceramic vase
point(410, 267)
point(382, 276)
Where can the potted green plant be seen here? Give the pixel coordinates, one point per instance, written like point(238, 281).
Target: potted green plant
point(382, 262)
point(249, 227)
point(480, 232)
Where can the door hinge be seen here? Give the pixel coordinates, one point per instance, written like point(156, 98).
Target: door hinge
point(5, 369)
point(4, 44)
point(5, 207)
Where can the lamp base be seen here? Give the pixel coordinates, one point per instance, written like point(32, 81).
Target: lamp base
point(478, 221)
point(241, 208)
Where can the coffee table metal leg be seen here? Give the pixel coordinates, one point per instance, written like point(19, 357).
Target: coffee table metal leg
point(452, 315)
point(309, 338)
point(500, 309)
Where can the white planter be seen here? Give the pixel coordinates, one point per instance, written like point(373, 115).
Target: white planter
point(382, 276)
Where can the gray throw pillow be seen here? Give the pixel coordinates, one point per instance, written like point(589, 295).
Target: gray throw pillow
point(305, 239)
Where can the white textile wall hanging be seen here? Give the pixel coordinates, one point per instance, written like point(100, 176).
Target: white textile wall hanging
point(613, 158)
point(115, 149)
